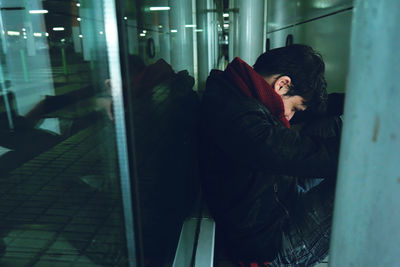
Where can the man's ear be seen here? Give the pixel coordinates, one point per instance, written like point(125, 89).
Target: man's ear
point(281, 85)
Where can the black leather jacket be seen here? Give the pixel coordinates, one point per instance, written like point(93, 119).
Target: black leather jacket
point(250, 164)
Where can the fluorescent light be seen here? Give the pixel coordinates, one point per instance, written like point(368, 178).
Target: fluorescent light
point(47, 34)
point(144, 31)
point(198, 30)
point(101, 32)
point(159, 8)
point(190, 26)
point(225, 15)
point(142, 34)
point(174, 30)
point(78, 4)
point(160, 26)
point(62, 40)
point(23, 29)
point(78, 19)
point(125, 18)
point(25, 37)
point(80, 36)
point(13, 33)
point(37, 34)
point(226, 25)
point(58, 29)
point(42, 11)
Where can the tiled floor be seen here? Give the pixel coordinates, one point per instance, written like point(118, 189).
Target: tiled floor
point(51, 217)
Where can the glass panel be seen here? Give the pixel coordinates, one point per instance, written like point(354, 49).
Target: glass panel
point(59, 174)
point(171, 48)
point(63, 149)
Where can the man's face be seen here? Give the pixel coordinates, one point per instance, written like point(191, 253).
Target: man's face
point(291, 103)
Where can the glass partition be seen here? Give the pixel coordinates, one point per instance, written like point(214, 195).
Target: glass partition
point(98, 108)
point(61, 202)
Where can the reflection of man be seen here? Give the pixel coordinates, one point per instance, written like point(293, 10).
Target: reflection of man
point(253, 164)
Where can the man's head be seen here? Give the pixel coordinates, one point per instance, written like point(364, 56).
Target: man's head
point(296, 73)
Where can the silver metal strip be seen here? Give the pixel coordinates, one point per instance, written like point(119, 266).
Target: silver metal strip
point(2, 80)
point(205, 244)
point(111, 31)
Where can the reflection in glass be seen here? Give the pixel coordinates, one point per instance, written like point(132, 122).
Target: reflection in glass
point(60, 192)
point(60, 182)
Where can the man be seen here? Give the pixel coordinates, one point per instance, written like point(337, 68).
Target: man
point(255, 167)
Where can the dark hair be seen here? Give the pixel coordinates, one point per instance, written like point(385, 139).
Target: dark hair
point(305, 68)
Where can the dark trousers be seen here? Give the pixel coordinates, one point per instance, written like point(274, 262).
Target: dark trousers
point(306, 234)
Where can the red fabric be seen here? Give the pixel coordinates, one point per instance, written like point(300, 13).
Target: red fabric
point(253, 264)
point(151, 76)
point(254, 86)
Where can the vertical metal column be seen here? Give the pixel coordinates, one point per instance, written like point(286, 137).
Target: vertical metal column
point(181, 35)
point(212, 34)
point(366, 222)
point(165, 36)
point(251, 29)
point(132, 32)
point(203, 24)
point(110, 22)
point(233, 29)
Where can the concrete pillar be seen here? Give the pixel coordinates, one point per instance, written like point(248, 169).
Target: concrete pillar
point(251, 29)
point(366, 222)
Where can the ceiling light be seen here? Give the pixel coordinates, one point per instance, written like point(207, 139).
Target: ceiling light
point(41, 11)
point(13, 33)
point(159, 8)
point(58, 29)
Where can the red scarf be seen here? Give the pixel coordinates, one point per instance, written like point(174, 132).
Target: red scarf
point(253, 85)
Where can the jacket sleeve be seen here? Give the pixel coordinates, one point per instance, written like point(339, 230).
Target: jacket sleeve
point(252, 139)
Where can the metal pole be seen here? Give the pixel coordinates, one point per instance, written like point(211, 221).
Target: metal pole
point(24, 68)
point(366, 221)
point(64, 61)
point(202, 42)
point(233, 30)
point(110, 22)
point(5, 96)
point(251, 29)
point(181, 35)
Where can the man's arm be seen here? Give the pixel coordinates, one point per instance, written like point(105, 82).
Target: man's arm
point(252, 139)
